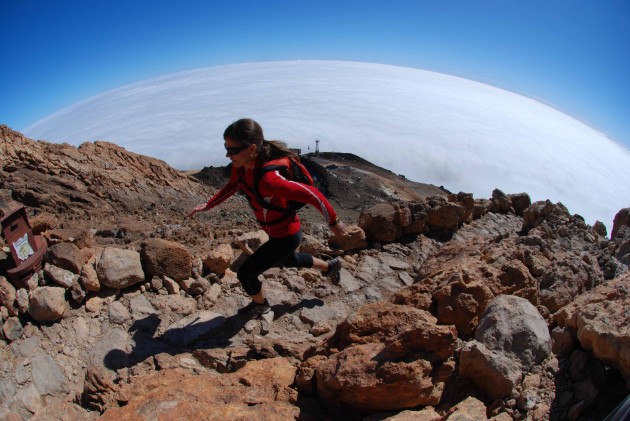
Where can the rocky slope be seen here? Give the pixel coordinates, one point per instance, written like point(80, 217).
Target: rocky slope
point(448, 307)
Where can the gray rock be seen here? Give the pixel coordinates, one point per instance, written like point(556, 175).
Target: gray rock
point(48, 377)
point(140, 307)
point(29, 347)
point(348, 282)
point(190, 328)
point(7, 390)
point(62, 277)
point(12, 329)
point(30, 398)
point(118, 313)
point(394, 262)
point(493, 372)
point(316, 315)
point(119, 269)
point(514, 326)
point(405, 278)
point(23, 372)
point(22, 300)
point(112, 350)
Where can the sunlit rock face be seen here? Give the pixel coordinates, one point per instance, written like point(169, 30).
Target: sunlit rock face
point(433, 128)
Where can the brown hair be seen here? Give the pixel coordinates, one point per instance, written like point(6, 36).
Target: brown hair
point(248, 132)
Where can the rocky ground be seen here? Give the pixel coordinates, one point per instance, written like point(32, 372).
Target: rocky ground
point(448, 307)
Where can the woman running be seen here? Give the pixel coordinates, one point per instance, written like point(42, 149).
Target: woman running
point(249, 151)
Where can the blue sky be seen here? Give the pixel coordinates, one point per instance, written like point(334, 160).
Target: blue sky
point(571, 54)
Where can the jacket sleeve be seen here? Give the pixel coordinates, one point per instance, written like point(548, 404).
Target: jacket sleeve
point(226, 191)
point(274, 186)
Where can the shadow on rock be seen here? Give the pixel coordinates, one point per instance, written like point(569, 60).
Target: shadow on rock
point(202, 330)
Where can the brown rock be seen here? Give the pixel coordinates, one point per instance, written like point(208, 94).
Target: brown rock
point(381, 223)
point(444, 214)
point(66, 256)
point(567, 278)
point(360, 378)
point(219, 259)
point(166, 258)
point(520, 202)
point(462, 303)
point(260, 390)
point(47, 304)
point(354, 239)
point(542, 211)
point(469, 409)
point(600, 319)
point(7, 296)
point(89, 278)
point(75, 236)
point(378, 322)
point(622, 218)
point(401, 362)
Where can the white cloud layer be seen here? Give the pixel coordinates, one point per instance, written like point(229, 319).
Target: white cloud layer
point(431, 127)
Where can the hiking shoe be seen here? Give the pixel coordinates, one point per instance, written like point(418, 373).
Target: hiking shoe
point(334, 269)
point(253, 309)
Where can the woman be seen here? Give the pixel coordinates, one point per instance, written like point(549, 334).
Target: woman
point(248, 150)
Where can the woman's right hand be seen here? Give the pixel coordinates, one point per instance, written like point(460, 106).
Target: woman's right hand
point(339, 229)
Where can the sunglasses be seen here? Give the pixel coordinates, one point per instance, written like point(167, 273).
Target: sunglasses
point(233, 150)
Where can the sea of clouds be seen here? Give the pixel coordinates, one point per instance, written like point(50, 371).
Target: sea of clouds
point(430, 127)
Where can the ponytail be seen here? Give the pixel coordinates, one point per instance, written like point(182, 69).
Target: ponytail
point(274, 149)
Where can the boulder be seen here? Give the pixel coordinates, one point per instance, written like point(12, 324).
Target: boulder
point(443, 214)
point(512, 325)
point(166, 258)
point(501, 202)
point(119, 269)
point(393, 357)
point(366, 378)
point(377, 322)
point(47, 304)
point(381, 223)
point(355, 238)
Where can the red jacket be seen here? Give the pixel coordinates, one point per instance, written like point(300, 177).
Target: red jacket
point(278, 190)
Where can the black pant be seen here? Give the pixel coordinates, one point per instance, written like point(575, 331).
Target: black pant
point(275, 252)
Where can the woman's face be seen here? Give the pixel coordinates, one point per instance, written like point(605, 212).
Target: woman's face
point(239, 154)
